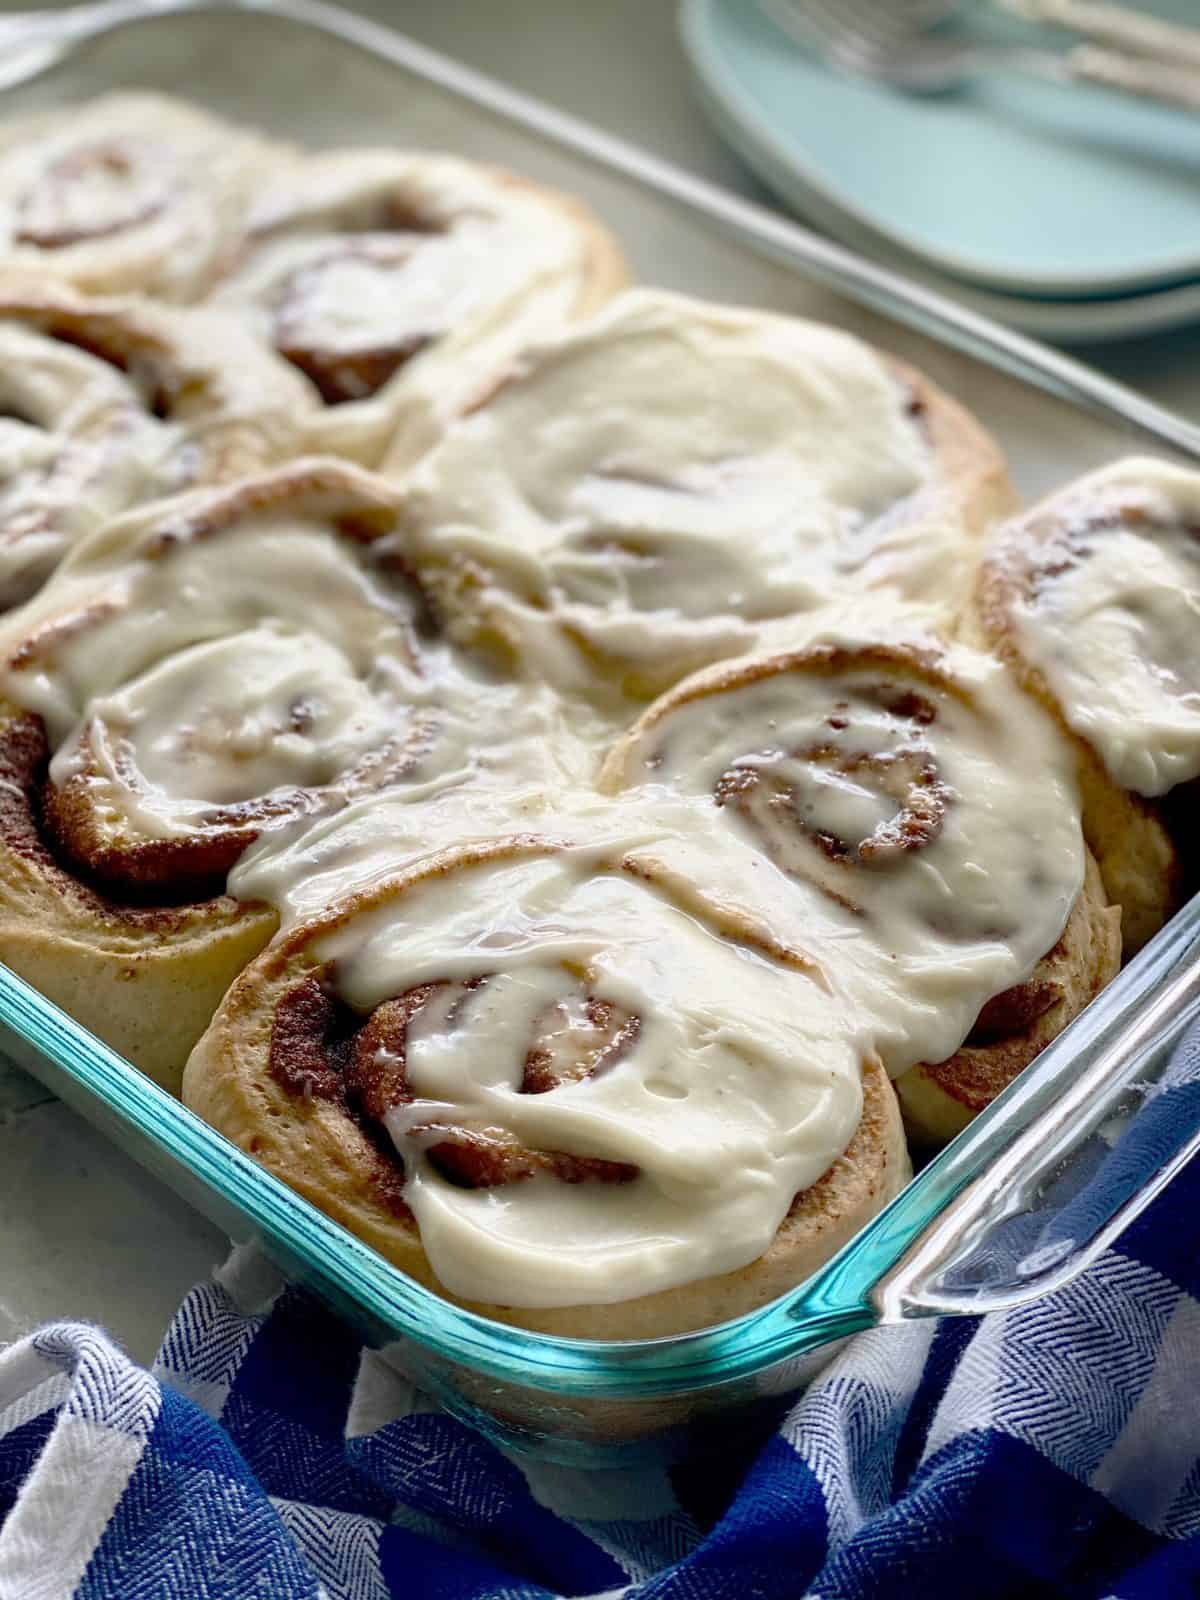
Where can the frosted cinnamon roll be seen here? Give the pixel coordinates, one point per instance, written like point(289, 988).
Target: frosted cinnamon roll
point(1093, 598)
point(218, 666)
point(659, 487)
point(907, 806)
point(108, 403)
point(527, 1077)
point(126, 192)
point(402, 286)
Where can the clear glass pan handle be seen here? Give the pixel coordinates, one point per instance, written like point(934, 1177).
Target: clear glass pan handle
point(1105, 1119)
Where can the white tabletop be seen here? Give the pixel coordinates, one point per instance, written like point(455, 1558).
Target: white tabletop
point(86, 1234)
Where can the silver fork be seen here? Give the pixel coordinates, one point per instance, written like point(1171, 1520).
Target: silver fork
point(887, 40)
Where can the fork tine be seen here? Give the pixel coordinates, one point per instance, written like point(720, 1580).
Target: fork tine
point(851, 26)
point(813, 24)
point(853, 30)
point(798, 22)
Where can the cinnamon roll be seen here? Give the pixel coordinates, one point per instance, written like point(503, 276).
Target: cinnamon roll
point(126, 192)
point(903, 804)
point(528, 1077)
point(1092, 597)
point(108, 403)
point(196, 675)
point(402, 285)
point(666, 484)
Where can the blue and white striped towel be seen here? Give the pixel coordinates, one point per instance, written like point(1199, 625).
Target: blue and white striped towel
point(1051, 1451)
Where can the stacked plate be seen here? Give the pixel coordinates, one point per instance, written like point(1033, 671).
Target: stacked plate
point(1068, 211)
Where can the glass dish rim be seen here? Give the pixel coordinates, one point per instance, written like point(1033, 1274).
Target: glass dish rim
point(836, 1300)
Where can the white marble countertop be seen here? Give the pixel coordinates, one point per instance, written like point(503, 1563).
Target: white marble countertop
point(87, 1234)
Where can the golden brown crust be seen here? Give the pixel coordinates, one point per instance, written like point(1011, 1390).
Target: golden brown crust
point(606, 270)
point(326, 1155)
point(145, 978)
point(972, 472)
point(1129, 836)
point(938, 1101)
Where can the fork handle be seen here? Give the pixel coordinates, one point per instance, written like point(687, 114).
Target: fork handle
point(1116, 26)
point(1134, 75)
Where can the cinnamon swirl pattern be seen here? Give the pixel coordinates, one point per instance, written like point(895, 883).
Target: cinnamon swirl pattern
point(130, 192)
point(220, 665)
point(660, 486)
point(529, 1077)
point(1093, 598)
point(108, 403)
point(402, 286)
point(896, 798)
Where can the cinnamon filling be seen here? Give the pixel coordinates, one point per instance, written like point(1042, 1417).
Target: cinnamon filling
point(1073, 541)
point(320, 1049)
point(788, 799)
point(1013, 1012)
point(92, 192)
point(193, 866)
point(27, 830)
point(197, 743)
point(340, 376)
point(346, 335)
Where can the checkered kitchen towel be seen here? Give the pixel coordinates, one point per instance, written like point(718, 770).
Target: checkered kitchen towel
point(1049, 1451)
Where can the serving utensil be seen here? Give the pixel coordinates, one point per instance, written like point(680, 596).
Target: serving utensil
point(890, 43)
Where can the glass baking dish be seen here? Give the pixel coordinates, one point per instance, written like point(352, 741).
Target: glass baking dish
point(1041, 1181)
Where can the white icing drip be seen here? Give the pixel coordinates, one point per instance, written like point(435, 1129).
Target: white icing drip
point(938, 933)
point(664, 534)
point(740, 1089)
point(1116, 633)
point(508, 756)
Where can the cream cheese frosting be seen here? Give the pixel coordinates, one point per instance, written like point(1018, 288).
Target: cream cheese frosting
point(1108, 610)
point(929, 855)
point(403, 286)
point(736, 1085)
point(659, 483)
point(898, 802)
point(108, 403)
point(183, 667)
point(131, 191)
point(75, 449)
point(511, 755)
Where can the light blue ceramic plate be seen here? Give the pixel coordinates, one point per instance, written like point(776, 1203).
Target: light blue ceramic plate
point(1020, 186)
point(1099, 320)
